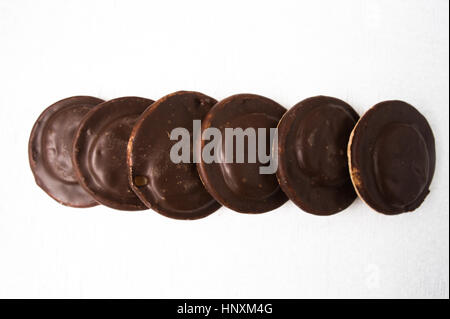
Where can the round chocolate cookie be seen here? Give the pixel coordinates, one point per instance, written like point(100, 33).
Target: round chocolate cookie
point(392, 157)
point(312, 154)
point(50, 150)
point(236, 180)
point(100, 148)
point(170, 187)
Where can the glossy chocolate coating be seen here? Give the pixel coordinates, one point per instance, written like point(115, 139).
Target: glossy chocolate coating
point(173, 190)
point(240, 186)
point(392, 157)
point(50, 150)
point(312, 153)
point(100, 148)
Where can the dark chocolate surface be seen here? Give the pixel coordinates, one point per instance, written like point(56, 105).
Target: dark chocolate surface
point(173, 190)
point(50, 150)
point(100, 149)
point(240, 186)
point(312, 153)
point(392, 157)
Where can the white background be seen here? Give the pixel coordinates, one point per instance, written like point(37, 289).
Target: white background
point(360, 51)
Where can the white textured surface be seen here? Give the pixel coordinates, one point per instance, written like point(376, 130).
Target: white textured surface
point(361, 51)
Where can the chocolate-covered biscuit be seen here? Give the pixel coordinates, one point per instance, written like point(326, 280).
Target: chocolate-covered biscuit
point(392, 157)
point(312, 154)
point(172, 189)
point(50, 150)
point(240, 185)
point(100, 148)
